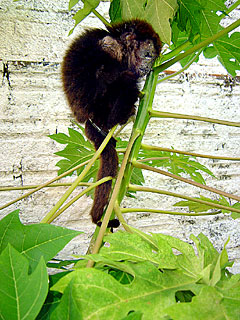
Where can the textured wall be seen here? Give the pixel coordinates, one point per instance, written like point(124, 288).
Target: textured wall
point(32, 106)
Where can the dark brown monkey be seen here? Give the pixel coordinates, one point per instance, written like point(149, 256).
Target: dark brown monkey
point(100, 75)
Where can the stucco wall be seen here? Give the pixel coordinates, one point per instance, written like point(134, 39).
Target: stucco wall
point(32, 106)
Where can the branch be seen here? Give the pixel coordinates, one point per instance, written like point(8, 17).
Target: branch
point(199, 155)
point(178, 195)
point(181, 70)
point(92, 186)
point(162, 114)
point(174, 213)
point(197, 47)
point(79, 178)
point(113, 200)
point(46, 184)
point(196, 184)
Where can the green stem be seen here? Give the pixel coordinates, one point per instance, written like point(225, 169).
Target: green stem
point(113, 200)
point(136, 188)
point(79, 178)
point(176, 51)
point(162, 114)
point(139, 127)
point(118, 212)
point(181, 70)
point(199, 155)
point(52, 185)
point(231, 8)
point(100, 17)
point(46, 184)
point(94, 185)
point(197, 47)
point(174, 176)
point(174, 213)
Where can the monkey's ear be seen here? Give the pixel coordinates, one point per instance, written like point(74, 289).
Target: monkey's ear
point(112, 47)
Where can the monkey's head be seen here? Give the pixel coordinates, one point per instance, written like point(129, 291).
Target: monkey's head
point(133, 43)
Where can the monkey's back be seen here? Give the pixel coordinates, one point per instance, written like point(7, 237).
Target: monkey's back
point(94, 82)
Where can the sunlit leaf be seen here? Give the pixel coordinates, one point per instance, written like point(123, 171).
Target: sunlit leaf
point(33, 241)
point(22, 294)
point(157, 12)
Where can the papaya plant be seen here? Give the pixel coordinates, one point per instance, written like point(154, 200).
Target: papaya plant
point(131, 274)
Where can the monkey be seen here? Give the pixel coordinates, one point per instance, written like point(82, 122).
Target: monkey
point(100, 74)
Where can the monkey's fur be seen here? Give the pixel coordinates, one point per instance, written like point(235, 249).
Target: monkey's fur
point(100, 75)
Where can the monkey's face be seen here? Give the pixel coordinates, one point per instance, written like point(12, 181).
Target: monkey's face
point(145, 57)
point(140, 54)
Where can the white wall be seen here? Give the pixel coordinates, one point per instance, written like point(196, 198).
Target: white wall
point(32, 106)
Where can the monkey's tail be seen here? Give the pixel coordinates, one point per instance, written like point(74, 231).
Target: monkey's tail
point(108, 167)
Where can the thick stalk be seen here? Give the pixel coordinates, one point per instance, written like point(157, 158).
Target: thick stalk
point(141, 122)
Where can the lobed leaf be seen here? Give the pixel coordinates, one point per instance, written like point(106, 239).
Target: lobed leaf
point(177, 164)
point(99, 295)
point(157, 12)
point(33, 241)
point(22, 294)
point(209, 304)
point(201, 207)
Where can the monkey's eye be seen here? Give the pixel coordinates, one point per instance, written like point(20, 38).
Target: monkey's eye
point(148, 55)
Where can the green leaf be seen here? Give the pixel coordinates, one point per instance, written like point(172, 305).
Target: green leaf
point(100, 296)
point(156, 12)
point(228, 52)
point(236, 215)
point(178, 164)
point(77, 151)
point(21, 294)
point(209, 304)
point(115, 12)
point(133, 315)
point(33, 241)
point(126, 246)
point(226, 48)
point(72, 3)
point(68, 307)
point(89, 5)
point(188, 16)
point(201, 207)
point(126, 280)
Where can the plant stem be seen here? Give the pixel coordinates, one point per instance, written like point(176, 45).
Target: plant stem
point(52, 185)
point(197, 47)
point(181, 70)
point(161, 114)
point(231, 8)
point(79, 178)
point(46, 184)
point(178, 195)
point(118, 212)
point(176, 51)
point(112, 201)
point(100, 17)
point(140, 126)
point(174, 213)
point(196, 184)
point(93, 185)
point(199, 155)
